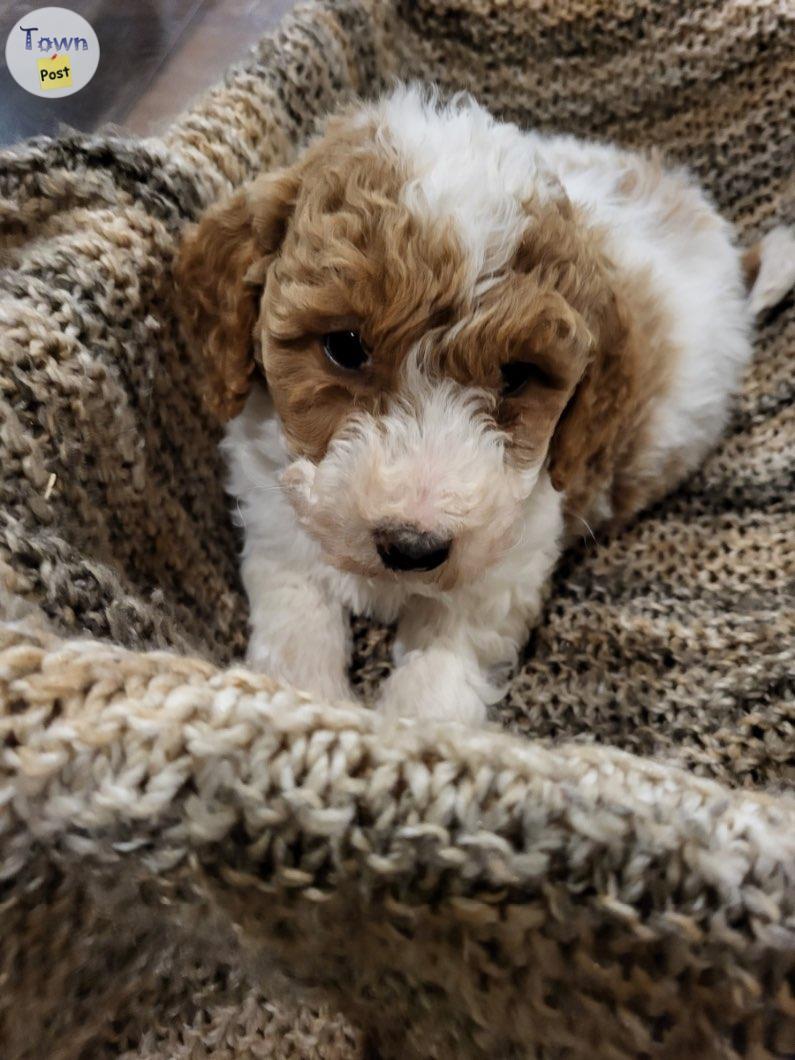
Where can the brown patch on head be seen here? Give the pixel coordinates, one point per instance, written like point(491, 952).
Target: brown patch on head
point(325, 245)
point(597, 341)
point(543, 318)
point(354, 258)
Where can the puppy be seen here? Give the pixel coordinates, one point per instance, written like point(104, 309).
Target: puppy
point(449, 346)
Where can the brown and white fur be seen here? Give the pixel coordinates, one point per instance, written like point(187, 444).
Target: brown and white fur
point(454, 245)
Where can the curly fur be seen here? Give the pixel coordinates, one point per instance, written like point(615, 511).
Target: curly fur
point(454, 244)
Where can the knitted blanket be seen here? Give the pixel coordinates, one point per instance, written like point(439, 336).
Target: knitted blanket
point(196, 862)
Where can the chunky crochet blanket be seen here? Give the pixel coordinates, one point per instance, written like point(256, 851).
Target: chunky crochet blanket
point(196, 862)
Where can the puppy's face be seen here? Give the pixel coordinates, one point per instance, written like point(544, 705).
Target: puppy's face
point(424, 306)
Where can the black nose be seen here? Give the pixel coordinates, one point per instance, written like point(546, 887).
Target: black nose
point(407, 548)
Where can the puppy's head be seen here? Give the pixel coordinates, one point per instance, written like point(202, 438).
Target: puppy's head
point(433, 322)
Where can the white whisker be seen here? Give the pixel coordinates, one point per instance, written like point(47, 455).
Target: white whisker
point(580, 519)
point(240, 518)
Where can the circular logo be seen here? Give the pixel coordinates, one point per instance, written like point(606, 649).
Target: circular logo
point(52, 52)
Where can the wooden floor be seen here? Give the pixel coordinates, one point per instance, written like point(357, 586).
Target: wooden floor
point(156, 56)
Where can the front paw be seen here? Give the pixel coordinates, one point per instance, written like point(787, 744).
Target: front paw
point(435, 685)
point(302, 669)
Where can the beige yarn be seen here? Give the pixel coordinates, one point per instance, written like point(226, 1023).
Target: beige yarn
point(195, 862)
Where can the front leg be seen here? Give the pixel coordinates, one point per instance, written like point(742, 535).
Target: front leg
point(299, 633)
point(439, 682)
point(453, 652)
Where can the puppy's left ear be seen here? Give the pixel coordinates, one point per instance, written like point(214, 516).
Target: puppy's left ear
point(220, 271)
point(589, 430)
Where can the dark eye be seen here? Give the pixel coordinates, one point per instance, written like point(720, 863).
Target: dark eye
point(516, 375)
point(345, 349)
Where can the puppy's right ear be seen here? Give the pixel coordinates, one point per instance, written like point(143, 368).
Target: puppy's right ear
point(220, 271)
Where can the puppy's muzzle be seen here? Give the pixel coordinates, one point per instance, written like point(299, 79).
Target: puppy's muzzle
point(406, 548)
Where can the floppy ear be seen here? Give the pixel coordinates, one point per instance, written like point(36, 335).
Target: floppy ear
point(220, 271)
point(591, 427)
